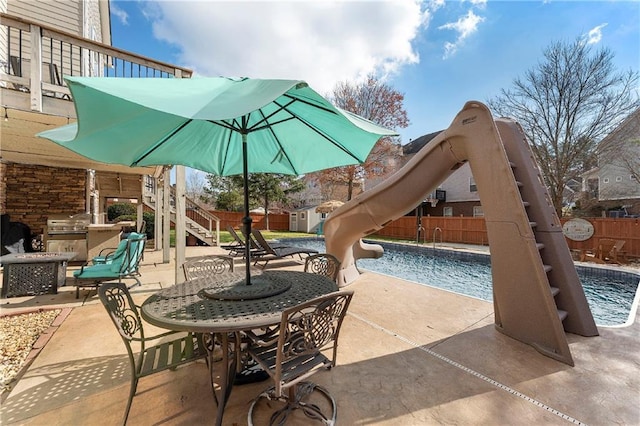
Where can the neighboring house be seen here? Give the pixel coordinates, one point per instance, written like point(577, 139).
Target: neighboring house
point(615, 183)
point(305, 219)
point(457, 195)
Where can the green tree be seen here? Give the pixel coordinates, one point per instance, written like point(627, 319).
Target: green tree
point(566, 104)
point(222, 192)
point(266, 188)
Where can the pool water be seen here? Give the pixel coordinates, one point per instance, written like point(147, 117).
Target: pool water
point(610, 293)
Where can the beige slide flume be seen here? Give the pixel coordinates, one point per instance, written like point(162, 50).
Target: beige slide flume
point(537, 293)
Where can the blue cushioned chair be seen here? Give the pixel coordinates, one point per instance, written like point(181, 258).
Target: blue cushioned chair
point(123, 267)
point(108, 255)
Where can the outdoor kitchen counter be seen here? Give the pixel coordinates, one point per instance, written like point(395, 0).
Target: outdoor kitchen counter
point(104, 236)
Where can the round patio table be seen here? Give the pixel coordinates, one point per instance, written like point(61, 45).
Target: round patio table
point(212, 305)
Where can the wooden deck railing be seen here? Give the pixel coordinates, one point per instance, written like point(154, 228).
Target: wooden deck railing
point(34, 58)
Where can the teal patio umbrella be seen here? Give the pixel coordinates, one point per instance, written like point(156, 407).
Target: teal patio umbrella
point(223, 126)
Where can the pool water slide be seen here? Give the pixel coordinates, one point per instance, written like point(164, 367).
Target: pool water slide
point(537, 294)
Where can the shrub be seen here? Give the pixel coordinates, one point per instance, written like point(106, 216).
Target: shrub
point(118, 210)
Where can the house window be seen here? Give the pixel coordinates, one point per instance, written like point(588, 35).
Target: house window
point(477, 211)
point(472, 185)
point(618, 178)
point(303, 216)
point(605, 180)
point(447, 211)
point(323, 216)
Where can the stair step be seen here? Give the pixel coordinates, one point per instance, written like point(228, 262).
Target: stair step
point(526, 203)
point(540, 246)
point(562, 314)
point(555, 291)
point(533, 224)
point(512, 164)
point(548, 268)
point(520, 184)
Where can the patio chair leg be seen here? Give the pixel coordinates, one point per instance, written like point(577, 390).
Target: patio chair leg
point(132, 392)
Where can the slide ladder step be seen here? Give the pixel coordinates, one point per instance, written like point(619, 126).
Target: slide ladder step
point(562, 314)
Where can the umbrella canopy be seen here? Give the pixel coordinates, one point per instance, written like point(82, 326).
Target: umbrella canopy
point(328, 206)
point(220, 125)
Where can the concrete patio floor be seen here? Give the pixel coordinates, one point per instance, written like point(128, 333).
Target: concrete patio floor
point(409, 355)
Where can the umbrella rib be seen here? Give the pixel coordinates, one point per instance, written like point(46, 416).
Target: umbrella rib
point(281, 150)
point(290, 96)
point(265, 119)
point(161, 142)
point(319, 132)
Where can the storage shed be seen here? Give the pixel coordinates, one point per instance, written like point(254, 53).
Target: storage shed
point(305, 219)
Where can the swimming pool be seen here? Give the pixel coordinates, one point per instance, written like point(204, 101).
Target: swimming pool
point(610, 293)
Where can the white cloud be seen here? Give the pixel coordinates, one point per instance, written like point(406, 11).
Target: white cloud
point(595, 35)
point(322, 42)
point(465, 26)
point(119, 13)
point(479, 3)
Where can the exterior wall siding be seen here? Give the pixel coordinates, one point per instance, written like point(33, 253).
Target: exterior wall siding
point(64, 15)
point(457, 186)
point(620, 148)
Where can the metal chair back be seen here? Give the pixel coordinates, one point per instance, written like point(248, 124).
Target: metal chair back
point(322, 264)
point(150, 359)
point(305, 332)
point(205, 266)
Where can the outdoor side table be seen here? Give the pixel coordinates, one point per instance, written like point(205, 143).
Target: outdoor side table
point(210, 305)
point(27, 274)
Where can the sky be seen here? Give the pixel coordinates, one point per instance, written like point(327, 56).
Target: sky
point(439, 54)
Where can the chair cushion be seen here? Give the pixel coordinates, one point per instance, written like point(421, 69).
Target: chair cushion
point(96, 271)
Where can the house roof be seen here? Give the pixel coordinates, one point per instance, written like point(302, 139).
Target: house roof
point(417, 144)
point(633, 118)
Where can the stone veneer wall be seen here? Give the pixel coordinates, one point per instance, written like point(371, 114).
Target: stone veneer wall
point(31, 193)
point(3, 188)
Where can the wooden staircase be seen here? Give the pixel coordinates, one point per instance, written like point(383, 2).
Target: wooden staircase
point(199, 223)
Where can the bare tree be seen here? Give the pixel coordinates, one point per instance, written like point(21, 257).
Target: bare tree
point(195, 185)
point(566, 104)
point(381, 104)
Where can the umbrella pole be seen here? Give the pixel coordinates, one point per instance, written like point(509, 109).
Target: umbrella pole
point(246, 220)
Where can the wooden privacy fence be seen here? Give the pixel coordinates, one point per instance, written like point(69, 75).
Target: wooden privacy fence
point(472, 230)
point(277, 222)
point(463, 230)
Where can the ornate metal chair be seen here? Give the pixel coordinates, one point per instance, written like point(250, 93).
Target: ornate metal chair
point(204, 266)
point(150, 359)
point(322, 264)
point(293, 353)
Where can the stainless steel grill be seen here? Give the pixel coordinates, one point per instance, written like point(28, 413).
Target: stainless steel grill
point(68, 233)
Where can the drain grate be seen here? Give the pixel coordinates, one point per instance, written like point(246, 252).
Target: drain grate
point(470, 371)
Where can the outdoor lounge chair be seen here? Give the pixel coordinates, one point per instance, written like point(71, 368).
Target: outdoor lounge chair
point(164, 355)
point(602, 253)
point(205, 266)
point(322, 264)
point(277, 252)
point(122, 268)
point(617, 254)
point(292, 353)
point(237, 247)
